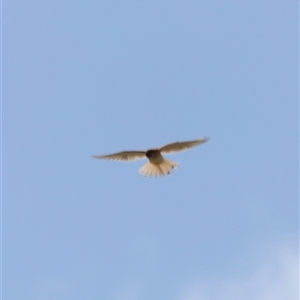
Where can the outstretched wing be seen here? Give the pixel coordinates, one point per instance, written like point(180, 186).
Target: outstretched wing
point(123, 156)
point(181, 146)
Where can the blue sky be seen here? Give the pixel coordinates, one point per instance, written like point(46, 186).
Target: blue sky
point(97, 77)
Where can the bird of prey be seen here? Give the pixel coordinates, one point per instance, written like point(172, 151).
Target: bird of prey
point(157, 165)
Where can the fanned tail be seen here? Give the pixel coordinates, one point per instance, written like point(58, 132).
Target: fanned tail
point(160, 169)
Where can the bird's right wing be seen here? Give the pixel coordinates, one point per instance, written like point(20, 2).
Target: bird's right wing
point(123, 156)
point(181, 146)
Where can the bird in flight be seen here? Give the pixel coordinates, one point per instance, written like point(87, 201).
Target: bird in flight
point(157, 165)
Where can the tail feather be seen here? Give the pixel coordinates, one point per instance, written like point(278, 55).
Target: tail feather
point(160, 169)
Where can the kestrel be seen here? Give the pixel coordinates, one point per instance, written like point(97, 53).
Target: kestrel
point(157, 165)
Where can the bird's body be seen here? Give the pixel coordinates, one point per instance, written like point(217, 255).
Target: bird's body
point(157, 165)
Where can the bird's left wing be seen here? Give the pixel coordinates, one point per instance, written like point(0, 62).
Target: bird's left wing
point(123, 156)
point(181, 146)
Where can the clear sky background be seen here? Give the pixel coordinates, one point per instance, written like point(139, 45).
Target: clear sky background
point(82, 78)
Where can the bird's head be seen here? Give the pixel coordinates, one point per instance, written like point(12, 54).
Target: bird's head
point(150, 153)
